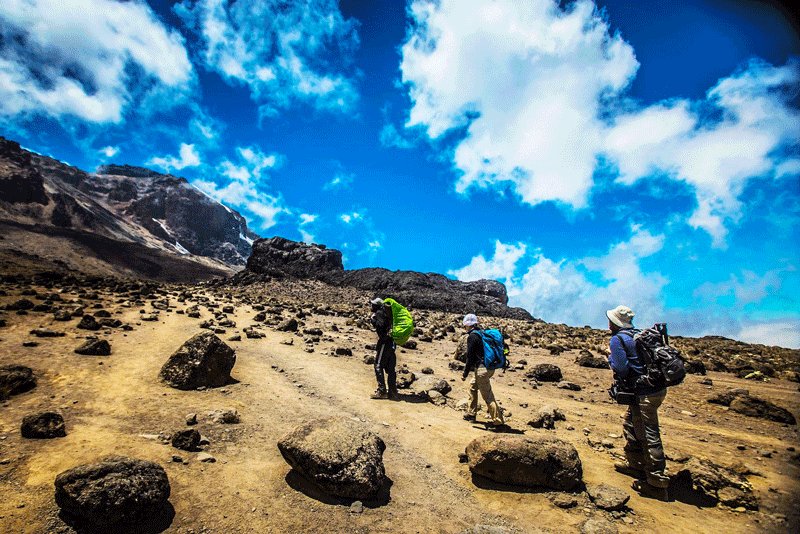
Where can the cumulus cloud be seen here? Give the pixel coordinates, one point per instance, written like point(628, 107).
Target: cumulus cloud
point(780, 333)
point(536, 92)
point(576, 291)
point(306, 220)
point(340, 180)
point(90, 59)
point(748, 288)
point(350, 218)
point(282, 51)
point(187, 157)
point(109, 151)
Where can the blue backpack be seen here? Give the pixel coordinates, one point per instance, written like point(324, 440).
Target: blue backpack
point(494, 356)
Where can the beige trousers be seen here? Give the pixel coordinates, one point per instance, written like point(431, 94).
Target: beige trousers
point(479, 380)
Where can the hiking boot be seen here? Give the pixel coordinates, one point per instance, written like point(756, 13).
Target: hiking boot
point(649, 491)
point(627, 469)
point(379, 394)
point(469, 417)
point(393, 395)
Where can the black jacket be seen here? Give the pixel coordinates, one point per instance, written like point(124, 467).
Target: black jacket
point(382, 321)
point(474, 352)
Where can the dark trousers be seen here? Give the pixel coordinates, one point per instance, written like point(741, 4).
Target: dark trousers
point(385, 361)
point(643, 447)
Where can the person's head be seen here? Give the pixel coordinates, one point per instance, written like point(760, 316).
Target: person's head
point(376, 303)
point(470, 321)
point(619, 318)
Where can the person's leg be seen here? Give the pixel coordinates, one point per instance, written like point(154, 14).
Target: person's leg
point(634, 450)
point(654, 460)
point(379, 359)
point(484, 384)
point(473, 395)
point(390, 368)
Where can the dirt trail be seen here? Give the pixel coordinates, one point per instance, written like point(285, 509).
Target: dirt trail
point(117, 405)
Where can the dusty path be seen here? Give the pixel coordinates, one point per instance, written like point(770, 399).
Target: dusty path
point(119, 406)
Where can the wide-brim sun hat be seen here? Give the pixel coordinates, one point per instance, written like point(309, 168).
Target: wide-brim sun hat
point(622, 316)
point(470, 319)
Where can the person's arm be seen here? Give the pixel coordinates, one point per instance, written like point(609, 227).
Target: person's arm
point(618, 359)
point(474, 346)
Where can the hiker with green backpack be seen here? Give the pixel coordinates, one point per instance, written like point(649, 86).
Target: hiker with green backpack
point(485, 354)
point(394, 325)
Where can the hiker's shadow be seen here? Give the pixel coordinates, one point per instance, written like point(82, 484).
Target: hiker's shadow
point(307, 487)
point(681, 489)
point(152, 522)
point(413, 398)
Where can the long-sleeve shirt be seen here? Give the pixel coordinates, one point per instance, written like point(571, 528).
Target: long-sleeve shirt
point(382, 321)
point(474, 353)
point(625, 362)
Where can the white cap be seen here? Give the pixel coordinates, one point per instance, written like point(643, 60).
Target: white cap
point(470, 319)
point(622, 316)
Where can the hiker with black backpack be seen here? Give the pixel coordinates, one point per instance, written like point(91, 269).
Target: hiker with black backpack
point(479, 344)
point(639, 383)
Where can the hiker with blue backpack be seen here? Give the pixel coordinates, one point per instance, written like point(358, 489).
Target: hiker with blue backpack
point(644, 365)
point(485, 353)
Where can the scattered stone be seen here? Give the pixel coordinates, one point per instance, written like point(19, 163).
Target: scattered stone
point(740, 401)
point(546, 417)
point(186, 440)
point(46, 332)
point(369, 359)
point(62, 315)
point(436, 398)
point(206, 458)
point(20, 305)
point(405, 378)
point(15, 379)
point(410, 345)
point(429, 383)
point(598, 525)
point(694, 367)
point(45, 425)
point(607, 497)
point(531, 461)
point(203, 361)
point(427, 371)
point(357, 507)
point(150, 317)
point(191, 419)
point(30, 343)
point(706, 381)
point(88, 322)
point(340, 455)
point(571, 386)
point(236, 337)
point(563, 500)
point(545, 372)
point(116, 490)
point(226, 417)
point(289, 325)
point(343, 351)
point(587, 359)
point(94, 347)
point(717, 483)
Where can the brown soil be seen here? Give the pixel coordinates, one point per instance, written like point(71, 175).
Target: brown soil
point(111, 405)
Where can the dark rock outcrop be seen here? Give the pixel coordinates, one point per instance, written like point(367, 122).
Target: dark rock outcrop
point(94, 347)
point(280, 258)
point(186, 440)
point(530, 461)
point(340, 455)
point(716, 483)
point(114, 491)
point(20, 182)
point(545, 372)
point(45, 425)
point(203, 361)
point(15, 379)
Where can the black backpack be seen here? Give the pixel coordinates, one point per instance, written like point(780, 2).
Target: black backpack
point(663, 364)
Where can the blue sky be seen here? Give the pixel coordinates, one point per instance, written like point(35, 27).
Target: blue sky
point(585, 154)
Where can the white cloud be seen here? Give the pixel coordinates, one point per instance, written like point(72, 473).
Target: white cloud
point(188, 157)
point(526, 80)
point(340, 180)
point(539, 93)
point(780, 333)
point(350, 218)
point(243, 187)
point(391, 138)
point(282, 51)
point(307, 219)
point(500, 267)
point(91, 59)
point(746, 289)
point(109, 151)
point(577, 291)
point(375, 245)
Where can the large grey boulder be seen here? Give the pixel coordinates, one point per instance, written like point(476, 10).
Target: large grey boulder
point(531, 461)
point(203, 361)
point(113, 491)
point(431, 383)
point(340, 455)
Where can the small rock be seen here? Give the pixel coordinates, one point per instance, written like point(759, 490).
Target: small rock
point(227, 416)
point(94, 347)
point(45, 425)
point(206, 458)
point(607, 497)
point(191, 419)
point(357, 507)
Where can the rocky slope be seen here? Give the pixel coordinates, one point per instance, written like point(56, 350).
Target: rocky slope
point(280, 258)
point(160, 218)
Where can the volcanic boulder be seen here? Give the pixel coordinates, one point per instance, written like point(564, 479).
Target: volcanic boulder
point(15, 379)
point(45, 425)
point(545, 372)
point(740, 401)
point(587, 359)
point(187, 440)
point(716, 483)
point(530, 461)
point(114, 491)
point(203, 361)
point(340, 455)
point(94, 347)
